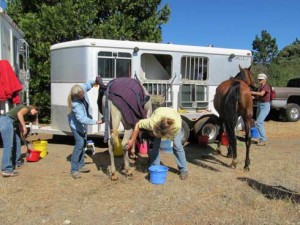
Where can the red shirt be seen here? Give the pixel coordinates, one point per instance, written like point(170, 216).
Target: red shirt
point(267, 95)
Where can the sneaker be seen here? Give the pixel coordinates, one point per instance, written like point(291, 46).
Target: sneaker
point(76, 175)
point(262, 143)
point(84, 170)
point(10, 173)
point(183, 175)
point(19, 166)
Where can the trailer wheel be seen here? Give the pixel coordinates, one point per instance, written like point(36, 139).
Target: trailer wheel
point(186, 132)
point(292, 112)
point(207, 127)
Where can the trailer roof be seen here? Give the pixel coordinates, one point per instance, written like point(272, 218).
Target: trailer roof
point(10, 21)
point(119, 44)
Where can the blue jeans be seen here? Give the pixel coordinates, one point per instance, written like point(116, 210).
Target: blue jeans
point(77, 158)
point(263, 109)
point(178, 151)
point(11, 144)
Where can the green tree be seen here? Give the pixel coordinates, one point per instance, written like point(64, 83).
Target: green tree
point(265, 48)
point(47, 22)
point(286, 65)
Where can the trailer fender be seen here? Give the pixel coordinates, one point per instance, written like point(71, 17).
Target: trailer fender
point(208, 126)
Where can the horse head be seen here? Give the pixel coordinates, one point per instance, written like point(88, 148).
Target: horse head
point(246, 75)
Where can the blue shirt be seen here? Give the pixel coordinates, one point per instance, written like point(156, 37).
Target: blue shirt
point(80, 117)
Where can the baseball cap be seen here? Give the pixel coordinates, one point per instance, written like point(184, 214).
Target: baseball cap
point(262, 76)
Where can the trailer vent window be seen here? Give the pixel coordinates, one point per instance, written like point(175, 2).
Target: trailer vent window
point(194, 68)
point(156, 66)
point(114, 64)
point(161, 93)
point(193, 96)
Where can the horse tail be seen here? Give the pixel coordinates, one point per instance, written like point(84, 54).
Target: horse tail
point(230, 108)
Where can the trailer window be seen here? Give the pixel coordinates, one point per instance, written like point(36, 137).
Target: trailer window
point(156, 66)
point(194, 68)
point(193, 96)
point(114, 64)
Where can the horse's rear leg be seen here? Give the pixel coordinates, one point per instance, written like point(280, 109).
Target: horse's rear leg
point(218, 151)
point(127, 169)
point(248, 144)
point(234, 156)
point(232, 149)
point(113, 141)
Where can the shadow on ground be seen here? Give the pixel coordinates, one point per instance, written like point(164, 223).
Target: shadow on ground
point(272, 192)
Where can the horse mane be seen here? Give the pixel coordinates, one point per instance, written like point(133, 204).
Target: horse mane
point(246, 76)
point(241, 76)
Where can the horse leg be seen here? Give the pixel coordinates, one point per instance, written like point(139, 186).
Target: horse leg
point(234, 157)
point(232, 146)
point(248, 143)
point(113, 141)
point(127, 169)
point(218, 151)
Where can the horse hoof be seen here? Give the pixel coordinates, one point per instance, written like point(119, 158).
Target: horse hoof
point(128, 173)
point(114, 177)
point(233, 165)
point(217, 152)
point(246, 169)
point(229, 155)
point(132, 161)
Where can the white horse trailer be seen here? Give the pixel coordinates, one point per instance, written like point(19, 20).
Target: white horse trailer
point(183, 77)
point(15, 50)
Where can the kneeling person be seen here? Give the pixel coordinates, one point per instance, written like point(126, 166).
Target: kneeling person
point(164, 123)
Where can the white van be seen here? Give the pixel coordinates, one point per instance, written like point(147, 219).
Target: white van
point(15, 50)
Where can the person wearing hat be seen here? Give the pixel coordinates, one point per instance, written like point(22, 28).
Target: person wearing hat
point(263, 96)
point(79, 118)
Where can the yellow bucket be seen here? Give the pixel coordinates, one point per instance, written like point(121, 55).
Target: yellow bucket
point(41, 146)
point(118, 150)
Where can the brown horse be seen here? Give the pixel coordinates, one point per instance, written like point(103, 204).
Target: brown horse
point(233, 99)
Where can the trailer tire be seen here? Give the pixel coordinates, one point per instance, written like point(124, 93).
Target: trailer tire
point(186, 131)
point(292, 112)
point(207, 127)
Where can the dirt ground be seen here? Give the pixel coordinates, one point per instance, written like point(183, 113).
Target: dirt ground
point(214, 193)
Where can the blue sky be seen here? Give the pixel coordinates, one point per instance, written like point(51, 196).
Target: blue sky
point(2, 4)
point(231, 23)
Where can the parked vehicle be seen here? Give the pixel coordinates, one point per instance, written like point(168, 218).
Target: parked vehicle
point(178, 76)
point(15, 50)
point(287, 100)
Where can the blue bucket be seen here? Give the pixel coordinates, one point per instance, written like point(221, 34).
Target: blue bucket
point(158, 174)
point(166, 146)
point(254, 132)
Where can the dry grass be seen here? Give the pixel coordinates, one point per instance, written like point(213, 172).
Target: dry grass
point(45, 193)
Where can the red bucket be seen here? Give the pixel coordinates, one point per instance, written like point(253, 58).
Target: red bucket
point(143, 148)
point(203, 139)
point(224, 140)
point(32, 155)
